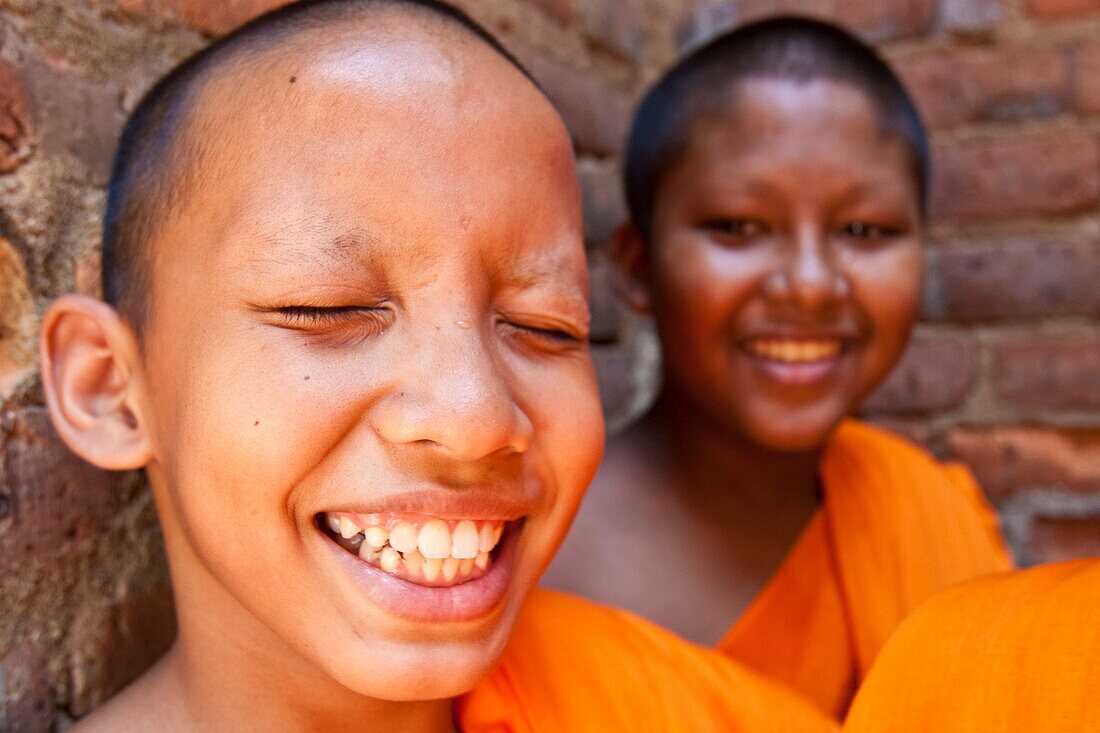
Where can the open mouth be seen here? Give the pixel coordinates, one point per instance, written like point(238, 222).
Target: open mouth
point(794, 351)
point(421, 549)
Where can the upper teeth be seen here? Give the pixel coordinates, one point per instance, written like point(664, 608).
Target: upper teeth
point(420, 549)
point(795, 350)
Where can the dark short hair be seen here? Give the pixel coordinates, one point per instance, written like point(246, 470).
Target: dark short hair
point(785, 47)
point(152, 169)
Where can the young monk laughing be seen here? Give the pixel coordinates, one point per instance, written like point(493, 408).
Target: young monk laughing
point(776, 180)
point(345, 337)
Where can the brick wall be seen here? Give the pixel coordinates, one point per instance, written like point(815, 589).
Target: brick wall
point(1003, 372)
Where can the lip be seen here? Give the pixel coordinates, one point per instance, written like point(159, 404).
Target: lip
point(439, 503)
point(799, 374)
point(468, 601)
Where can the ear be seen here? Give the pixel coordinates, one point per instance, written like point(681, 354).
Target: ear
point(630, 259)
point(90, 363)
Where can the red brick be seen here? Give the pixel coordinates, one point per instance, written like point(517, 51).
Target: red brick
point(613, 372)
point(887, 20)
point(934, 374)
point(605, 307)
point(1011, 459)
point(971, 17)
point(561, 10)
point(16, 130)
point(54, 498)
point(1052, 173)
point(1086, 78)
point(915, 431)
point(211, 18)
point(26, 696)
point(17, 323)
point(700, 22)
point(988, 84)
point(1013, 279)
point(596, 115)
point(874, 21)
point(1053, 539)
point(1058, 9)
point(78, 119)
point(1049, 372)
point(112, 646)
point(619, 26)
point(602, 197)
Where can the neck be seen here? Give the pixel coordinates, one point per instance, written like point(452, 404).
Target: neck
point(713, 463)
point(228, 671)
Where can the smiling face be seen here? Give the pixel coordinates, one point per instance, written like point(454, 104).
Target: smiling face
point(785, 261)
point(370, 319)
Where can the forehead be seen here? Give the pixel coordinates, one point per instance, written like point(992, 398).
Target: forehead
point(784, 123)
point(389, 146)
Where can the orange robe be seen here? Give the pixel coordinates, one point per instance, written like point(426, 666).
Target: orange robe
point(1017, 652)
point(895, 526)
point(574, 666)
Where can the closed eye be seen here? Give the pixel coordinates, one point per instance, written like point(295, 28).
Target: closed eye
point(548, 335)
point(337, 325)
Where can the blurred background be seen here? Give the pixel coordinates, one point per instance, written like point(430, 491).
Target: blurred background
point(1003, 373)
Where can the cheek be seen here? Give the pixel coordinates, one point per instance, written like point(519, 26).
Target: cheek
point(569, 427)
point(696, 284)
point(888, 289)
point(248, 424)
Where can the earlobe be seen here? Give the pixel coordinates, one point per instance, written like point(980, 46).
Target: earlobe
point(631, 261)
point(89, 365)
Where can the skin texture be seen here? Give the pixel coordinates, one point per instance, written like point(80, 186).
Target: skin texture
point(375, 299)
point(789, 215)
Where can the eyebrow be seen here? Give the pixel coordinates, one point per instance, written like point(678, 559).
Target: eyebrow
point(308, 242)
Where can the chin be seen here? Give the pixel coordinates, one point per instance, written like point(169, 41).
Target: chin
point(420, 673)
point(800, 431)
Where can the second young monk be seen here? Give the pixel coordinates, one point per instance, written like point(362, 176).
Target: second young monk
point(776, 180)
point(345, 339)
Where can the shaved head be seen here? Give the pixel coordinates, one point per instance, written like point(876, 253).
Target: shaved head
point(170, 137)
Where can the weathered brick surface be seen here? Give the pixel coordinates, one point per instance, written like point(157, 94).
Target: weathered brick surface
point(1005, 278)
point(989, 84)
point(17, 334)
point(602, 196)
point(113, 645)
point(1086, 78)
point(971, 17)
point(1009, 177)
point(1050, 372)
point(595, 113)
point(1030, 457)
point(934, 374)
point(212, 18)
point(1061, 9)
point(1065, 538)
point(53, 498)
point(1002, 376)
point(562, 10)
point(16, 126)
point(26, 699)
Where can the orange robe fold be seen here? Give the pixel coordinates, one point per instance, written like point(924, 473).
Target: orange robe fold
point(895, 526)
point(574, 666)
point(1018, 652)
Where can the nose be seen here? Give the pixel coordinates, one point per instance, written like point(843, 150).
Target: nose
point(454, 397)
point(808, 277)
